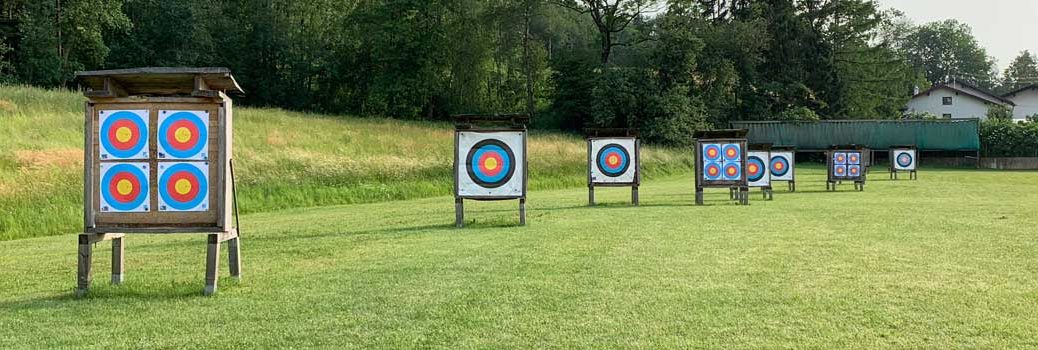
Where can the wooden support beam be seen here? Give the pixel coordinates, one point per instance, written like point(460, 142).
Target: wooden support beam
point(118, 252)
point(111, 89)
point(202, 89)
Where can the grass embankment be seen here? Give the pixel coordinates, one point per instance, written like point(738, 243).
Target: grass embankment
point(283, 160)
point(948, 261)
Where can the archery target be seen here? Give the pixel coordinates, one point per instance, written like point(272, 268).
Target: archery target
point(184, 186)
point(732, 152)
point(613, 161)
point(183, 135)
point(904, 159)
point(840, 158)
point(757, 173)
point(840, 170)
point(732, 171)
point(123, 134)
point(124, 187)
point(711, 152)
point(712, 171)
point(781, 166)
point(853, 158)
point(492, 164)
point(853, 170)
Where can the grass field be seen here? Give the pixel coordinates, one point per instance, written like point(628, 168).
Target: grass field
point(284, 160)
point(948, 261)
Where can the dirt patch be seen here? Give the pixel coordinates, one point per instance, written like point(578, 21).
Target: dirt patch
point(274, 138)
point(61, 158)
point(7, 106)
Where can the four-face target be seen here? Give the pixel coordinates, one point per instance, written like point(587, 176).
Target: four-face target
point(847, 165)
point(183, 186)
point(722, 162)
point(183, 135)
point(491, 164)
point(124, 187)
point(613, 160)
point(123, 134)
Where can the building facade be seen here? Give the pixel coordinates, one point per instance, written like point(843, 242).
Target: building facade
point(955, 100)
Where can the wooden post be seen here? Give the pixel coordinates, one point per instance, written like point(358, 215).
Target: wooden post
point(634, 195)
point(699, 197)
point(118, 250)
point(522, 211)
point(234, 257)
point(591, 195)
point(212, 264)
point(84, 275)
point(459, 212)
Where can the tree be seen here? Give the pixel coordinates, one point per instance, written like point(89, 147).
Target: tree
point(947, 49)
point(1022, 72)
point(62, 36)
point(611, 18)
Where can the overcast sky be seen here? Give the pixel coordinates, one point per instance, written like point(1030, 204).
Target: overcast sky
point(1003, 27)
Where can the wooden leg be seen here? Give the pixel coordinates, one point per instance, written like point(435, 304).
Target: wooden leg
point(234, 257)
point(84, 275)
point(744, 193)
point(118, 250)
point(212, 264)
point(591, 196)
point(793, 186)
point(699, 197)
point(522, 212)
point(634, 195)
point(459, 212)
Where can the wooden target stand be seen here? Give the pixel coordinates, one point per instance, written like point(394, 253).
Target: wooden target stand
point(834, 179)
point(767, 192)
point(157, 94)
point(635, 161)
point(791, 159)
point(490, 127)
point(722, 137)
point(912, 173)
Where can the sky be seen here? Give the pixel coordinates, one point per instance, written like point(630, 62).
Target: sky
point(1003, 27)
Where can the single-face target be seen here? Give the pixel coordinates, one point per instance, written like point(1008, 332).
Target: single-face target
point(732, 171)
point(732, 152)
point(613, 160)
point(712, 171)
point(123, 134)
point(712, 152)
point(840, 170)
point(854, 158)
point(124, 187)
point(183, 186)
point(853, 170)
point(755, 169)
point(490, 163)
point(779, 165)
point(905, 160)
point(840, 158)
point(183, 134)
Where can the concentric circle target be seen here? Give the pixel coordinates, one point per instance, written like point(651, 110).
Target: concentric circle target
point(490, 163)
point(732, 152)
point(853, 171)
point(755, 169)
point(712, 152)
point(124, 187)
point(904, 159)
point(854, 158)
point(183, 187)
point(779, 166)
point(840, 158)
point(840, 170)
point(613, 160)
point(732, 171)
point(183, 135)
point(123, 135)
point(712, 171)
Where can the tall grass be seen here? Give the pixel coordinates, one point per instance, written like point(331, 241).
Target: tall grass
point(282, 160)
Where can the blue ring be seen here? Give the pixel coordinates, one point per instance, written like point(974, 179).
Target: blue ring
point(837, 154)
point(836, 174)
point(141, 181)
point(738, 152)
point(905, 154)
point(203, 183)
point(106, 127)
point(714, 146)
point(849, 158)
point(505, 167)
point(776, 160)
point(720, 171)
point(738, 176)
point(203, 135)
point(619, 169)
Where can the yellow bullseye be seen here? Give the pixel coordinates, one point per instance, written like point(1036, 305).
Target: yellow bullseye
point(182, 135)
point(753, 168)
point(490, 164)
point(123, 134)
point(613, 160)
point(182, 186)
point(124, 187)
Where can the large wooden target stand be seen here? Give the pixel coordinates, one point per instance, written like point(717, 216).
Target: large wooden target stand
point(489, 161)
point(721, 157)
point(157, 160)
point(613, 160)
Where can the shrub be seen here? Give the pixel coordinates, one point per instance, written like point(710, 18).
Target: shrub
point(1005, 138)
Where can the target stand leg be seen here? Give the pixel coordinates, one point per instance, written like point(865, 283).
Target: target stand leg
point(591, 196)
point(212, 260)
point(792, 186)
point(522, 212)
point(118, 250)
point(744, 195)
point(234, 256)
point(699, 197)
point(459, 213)
point(84, 272)
point(634, 195)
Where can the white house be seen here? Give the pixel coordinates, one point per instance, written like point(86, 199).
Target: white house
point(955, 100)
point(1026, 101)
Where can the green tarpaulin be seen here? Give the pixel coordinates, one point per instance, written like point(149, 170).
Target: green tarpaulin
point(944, 135)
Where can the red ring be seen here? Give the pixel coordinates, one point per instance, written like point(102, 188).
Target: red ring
point(113, 187)
point(172, 189)
point(135, 134)
point(483, 161)
point(171, 134)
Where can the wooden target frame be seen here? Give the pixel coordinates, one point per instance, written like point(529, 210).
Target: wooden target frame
point(722, 137)
point(490, 124)
point(789, 154)
point(618, 136)
point(896, 166)
point(761, 149)
point(157, 93)
point(848, 164)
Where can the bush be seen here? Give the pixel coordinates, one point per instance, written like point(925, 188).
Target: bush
point(1005, 138)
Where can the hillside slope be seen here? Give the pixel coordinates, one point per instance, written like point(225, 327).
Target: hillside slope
point(284, 160)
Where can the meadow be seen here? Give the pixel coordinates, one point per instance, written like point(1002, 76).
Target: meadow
point(283, 160)
point(948, 261)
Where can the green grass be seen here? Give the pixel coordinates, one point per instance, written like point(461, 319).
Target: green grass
point(283, 160)
point(948, 261)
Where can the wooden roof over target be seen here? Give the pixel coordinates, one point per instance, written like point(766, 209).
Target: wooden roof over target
point(159, 81)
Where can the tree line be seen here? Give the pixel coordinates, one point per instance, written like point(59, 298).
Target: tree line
point(665, 67)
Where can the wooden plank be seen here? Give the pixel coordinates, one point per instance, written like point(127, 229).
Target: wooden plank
point(221, 170)
point(162, 80)
point(83, 273)
point(212, 264)
point(163, 229)
point(88, 169)
point(118, 251)
point(234, 257)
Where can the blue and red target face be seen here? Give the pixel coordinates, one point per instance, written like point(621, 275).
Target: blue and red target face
point(183, 186)
point(613, 160)
point(123, 135)
point(722, 162)
point(780, 166)
point(756, 170)
point(491, 163)
point(183, 135)
point(904, 160)
point(847, 164)
point(124, 187)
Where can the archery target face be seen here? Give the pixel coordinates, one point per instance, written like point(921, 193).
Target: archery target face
point(124, 187)
point(613, 161)
point(840, 158)
point(490, 164)
point(123, 134)
point(712, 171)
point(840, 170)
point(904, 159)
point(853, 170)
point(722, 161)
point(184, 186)
point(854, 158)
point(711, 152)
point(183, 135)
point(781, 166)
point(757, 173)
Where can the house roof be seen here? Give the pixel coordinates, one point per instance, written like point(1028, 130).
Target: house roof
point(971, 91)
point(1017, 91)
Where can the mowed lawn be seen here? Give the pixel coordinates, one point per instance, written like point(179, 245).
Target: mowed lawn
point(949, 261)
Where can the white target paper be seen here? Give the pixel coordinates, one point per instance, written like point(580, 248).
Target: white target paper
point(490, 164)
point(900, 155)
point(183, 186)
point(787, 159)
point(763, 176)
point(618, 162)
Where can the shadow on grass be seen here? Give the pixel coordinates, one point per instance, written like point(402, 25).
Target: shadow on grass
point(144, 293)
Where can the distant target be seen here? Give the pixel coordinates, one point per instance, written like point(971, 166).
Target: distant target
point(755, 169)
point(124, 187)
point(854, 158)
point(712, 152)
point(183, 187)
point(853, 170)
point(183, 135)
point(123, 134)
point(840, 171)
point(840, 158)
point(732, 171)
point(779, 166)
point(732, 152)
point(905, 160)
point(712, 171)
point(490, 163)
point(613, 160)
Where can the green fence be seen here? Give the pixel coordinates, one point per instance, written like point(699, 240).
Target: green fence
point(935, 135)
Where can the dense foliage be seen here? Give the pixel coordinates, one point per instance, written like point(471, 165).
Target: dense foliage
point(1001, 137)
point(666, 67)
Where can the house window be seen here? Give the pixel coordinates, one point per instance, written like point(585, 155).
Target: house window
point(947, 101)
point(947, 116)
